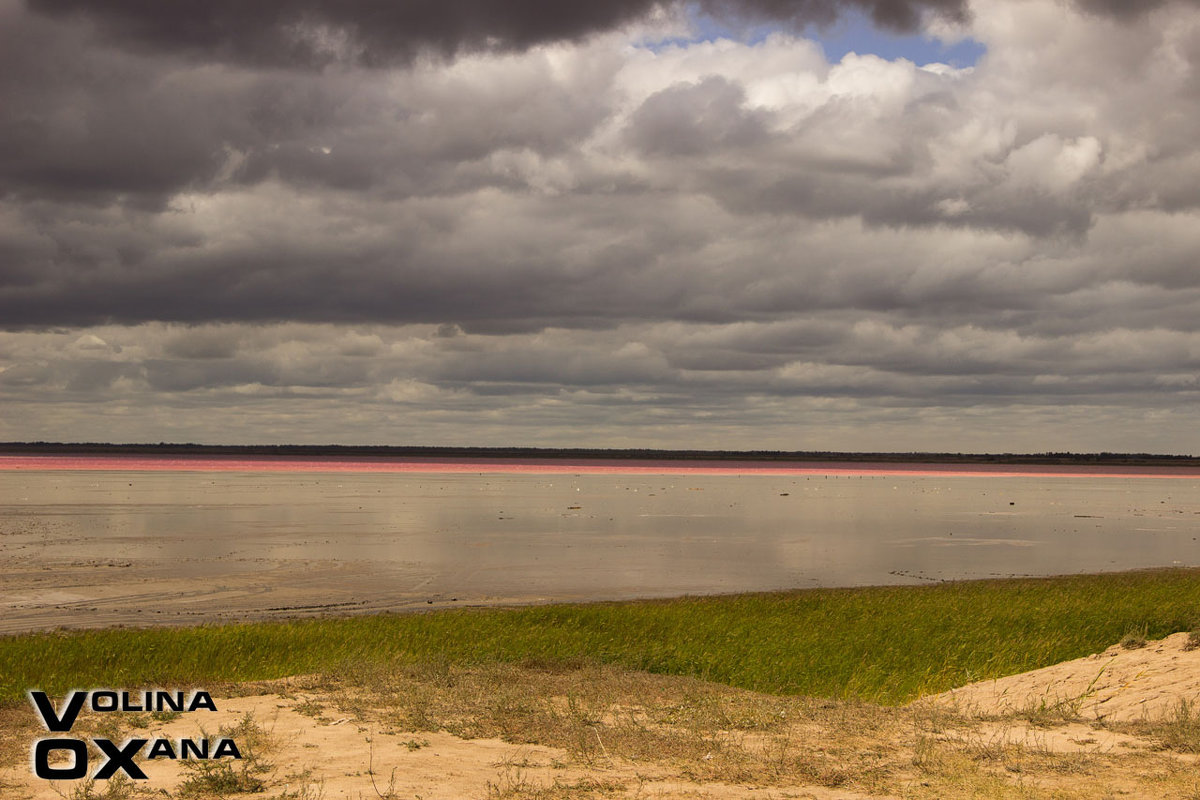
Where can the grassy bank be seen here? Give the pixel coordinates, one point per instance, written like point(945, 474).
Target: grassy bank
point(885, 644)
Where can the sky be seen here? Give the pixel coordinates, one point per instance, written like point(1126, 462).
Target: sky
point(867, 225)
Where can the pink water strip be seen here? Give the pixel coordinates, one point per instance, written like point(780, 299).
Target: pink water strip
point(117, 463)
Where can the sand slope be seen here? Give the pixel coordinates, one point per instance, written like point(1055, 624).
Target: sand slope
point(1117, 685)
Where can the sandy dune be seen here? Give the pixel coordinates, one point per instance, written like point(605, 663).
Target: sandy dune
point(1118, 685)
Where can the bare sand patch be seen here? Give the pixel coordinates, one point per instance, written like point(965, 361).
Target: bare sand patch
point(303, 745)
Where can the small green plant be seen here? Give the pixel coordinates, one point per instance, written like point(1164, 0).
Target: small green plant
point(388, 792)
point(1181, 731)
point(218, 777)
point(513, 784)
point(119, 788)
point(310, 708)
point(1193, 640)
point(247, 775)
point(1134, 638)
point(301, 786)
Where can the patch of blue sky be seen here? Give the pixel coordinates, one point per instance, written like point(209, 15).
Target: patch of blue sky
point(853, 32)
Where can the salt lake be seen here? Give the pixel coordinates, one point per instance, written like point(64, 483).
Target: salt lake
point(90, 547)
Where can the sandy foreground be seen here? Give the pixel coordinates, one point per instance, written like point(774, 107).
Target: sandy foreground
point(1121, 723)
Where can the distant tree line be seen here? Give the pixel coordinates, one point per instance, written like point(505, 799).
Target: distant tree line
point(623, 454)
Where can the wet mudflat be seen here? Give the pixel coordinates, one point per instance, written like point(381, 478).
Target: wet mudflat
point(92, 547)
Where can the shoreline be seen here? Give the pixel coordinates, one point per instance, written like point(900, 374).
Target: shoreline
point(885, 644)
point(587, 466)
point(343, 611)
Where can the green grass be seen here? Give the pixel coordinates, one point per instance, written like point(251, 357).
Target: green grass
point(884, 644)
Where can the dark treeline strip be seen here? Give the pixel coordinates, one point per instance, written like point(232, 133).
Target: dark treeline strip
point(590, 453)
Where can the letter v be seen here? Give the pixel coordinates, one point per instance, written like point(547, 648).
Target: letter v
point(52, 720)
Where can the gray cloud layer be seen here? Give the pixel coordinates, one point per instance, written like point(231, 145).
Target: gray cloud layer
point(295, 32)
point(574, 219)
point(374, 32)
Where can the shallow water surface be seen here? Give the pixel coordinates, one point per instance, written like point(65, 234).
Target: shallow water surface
point(84, 548)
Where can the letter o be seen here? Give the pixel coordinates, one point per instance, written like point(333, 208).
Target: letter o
point(113, 703)
point(41, 759)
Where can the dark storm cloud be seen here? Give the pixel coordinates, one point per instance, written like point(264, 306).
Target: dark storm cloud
point(84, 123)
point(307, 32)
point(384, 31)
